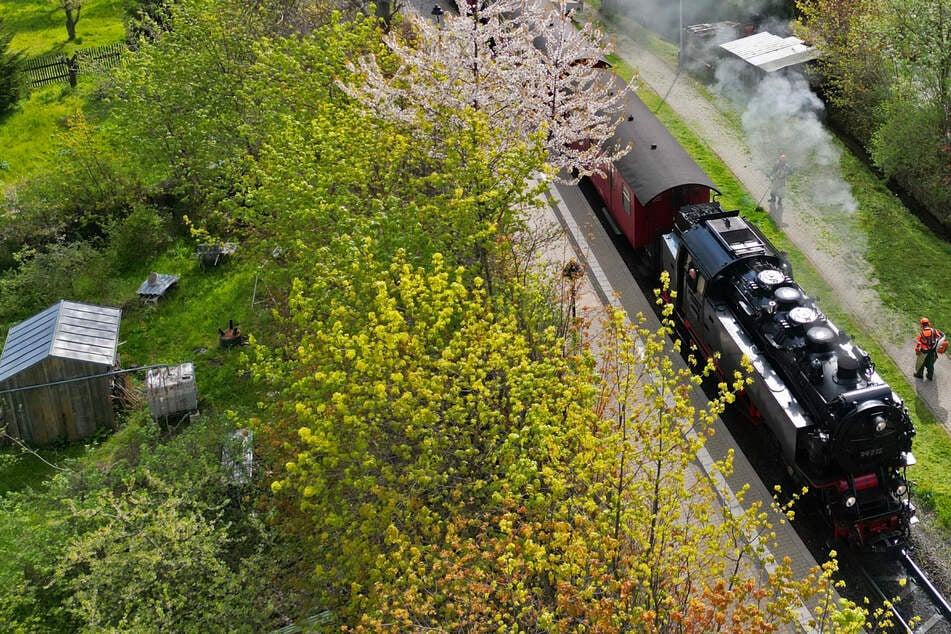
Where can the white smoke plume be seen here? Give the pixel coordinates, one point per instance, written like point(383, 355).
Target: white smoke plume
point(783, 115)
point(666, 16)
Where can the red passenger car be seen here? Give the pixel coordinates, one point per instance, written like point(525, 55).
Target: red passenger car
point(644, 189)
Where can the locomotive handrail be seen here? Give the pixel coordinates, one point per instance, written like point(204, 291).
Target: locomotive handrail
point(879, 391)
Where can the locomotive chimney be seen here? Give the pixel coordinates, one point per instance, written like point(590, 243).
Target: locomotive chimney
point(847, 367)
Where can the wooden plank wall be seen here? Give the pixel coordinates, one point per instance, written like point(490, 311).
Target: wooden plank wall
point(68, 411)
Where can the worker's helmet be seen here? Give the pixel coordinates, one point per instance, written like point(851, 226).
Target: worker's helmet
point(925, 322)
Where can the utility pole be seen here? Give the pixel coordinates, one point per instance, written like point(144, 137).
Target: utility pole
point(680, 51)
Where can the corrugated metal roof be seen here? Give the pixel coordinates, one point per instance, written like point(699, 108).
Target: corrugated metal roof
point(770, 52)
point(67, 330)
point(157, 284)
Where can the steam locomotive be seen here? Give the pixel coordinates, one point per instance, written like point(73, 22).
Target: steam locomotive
point(843, 432)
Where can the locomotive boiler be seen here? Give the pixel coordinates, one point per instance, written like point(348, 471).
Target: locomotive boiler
point(842, 430)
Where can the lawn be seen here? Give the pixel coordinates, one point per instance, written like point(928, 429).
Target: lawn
point(27, 136)
point(39, 26)
point(21, 469)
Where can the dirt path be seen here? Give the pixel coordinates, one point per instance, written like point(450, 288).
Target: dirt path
point(830, 241)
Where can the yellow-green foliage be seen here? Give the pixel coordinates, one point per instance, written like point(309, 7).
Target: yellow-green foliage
point(452, 472)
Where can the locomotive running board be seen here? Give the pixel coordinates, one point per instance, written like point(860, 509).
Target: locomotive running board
point(781, 411)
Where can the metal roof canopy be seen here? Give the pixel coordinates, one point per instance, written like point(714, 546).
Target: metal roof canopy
point(656, 162)
point(67, 330)
point(770, 52)
point(156, 285)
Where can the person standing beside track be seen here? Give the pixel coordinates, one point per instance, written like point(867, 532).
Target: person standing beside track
point(777, 181)
point(929, 343)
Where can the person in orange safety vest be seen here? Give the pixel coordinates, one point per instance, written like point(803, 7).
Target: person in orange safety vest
point(929, 343)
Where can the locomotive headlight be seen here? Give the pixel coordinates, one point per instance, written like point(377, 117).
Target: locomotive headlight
point(880, 424)
point(901, 490)
point(850, 501)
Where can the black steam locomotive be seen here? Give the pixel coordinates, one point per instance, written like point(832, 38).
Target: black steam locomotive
point(842, 430)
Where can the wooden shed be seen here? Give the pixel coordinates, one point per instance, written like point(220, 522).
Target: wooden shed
point(51, 372)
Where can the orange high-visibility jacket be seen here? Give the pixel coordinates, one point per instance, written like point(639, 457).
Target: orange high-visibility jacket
point(927, 339)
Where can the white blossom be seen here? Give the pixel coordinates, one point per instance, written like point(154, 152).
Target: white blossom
point(524, 64)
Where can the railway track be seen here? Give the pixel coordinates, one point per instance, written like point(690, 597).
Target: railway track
point(902, 588)
point(894, 582)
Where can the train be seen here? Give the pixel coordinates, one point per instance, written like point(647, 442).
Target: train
point(843, 432)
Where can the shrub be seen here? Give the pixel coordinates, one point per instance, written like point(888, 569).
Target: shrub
point(74, 271)
point(12, 80)
point(142, 234)
point(910, 147)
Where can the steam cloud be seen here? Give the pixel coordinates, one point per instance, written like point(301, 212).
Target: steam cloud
point(783, 116)
point(781, 113)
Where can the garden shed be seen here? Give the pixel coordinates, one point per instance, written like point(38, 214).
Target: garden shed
point(51, 372)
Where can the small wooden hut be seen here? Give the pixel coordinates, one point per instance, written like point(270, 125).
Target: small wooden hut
point(51, 372)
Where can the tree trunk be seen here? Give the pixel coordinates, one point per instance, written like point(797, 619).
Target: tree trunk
point(71, 19)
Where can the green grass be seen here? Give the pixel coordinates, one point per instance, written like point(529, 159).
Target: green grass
point(184, 325)
point(21, 469)
point(28, 136)
point(39, 26)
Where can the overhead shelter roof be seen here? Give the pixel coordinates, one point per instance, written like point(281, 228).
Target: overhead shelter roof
point(656, 162)
point(67, 330)
point(770, 52)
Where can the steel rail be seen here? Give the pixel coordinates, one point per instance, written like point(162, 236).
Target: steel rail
point(936, 595)
point(886, 601)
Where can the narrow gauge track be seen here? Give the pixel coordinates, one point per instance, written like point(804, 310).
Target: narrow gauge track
point(897, 581)
point(888, 579)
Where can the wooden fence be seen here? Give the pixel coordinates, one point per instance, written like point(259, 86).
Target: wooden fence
point(53, 68)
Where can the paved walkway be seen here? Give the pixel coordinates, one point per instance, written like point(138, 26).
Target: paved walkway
point(830, 243)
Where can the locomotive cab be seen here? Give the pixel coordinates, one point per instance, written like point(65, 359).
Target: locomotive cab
point(706, 244)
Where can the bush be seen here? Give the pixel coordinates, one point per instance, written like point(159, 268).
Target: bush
point(142, 234)
point(73, 271)
point(12, 80)
point(910, 147)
